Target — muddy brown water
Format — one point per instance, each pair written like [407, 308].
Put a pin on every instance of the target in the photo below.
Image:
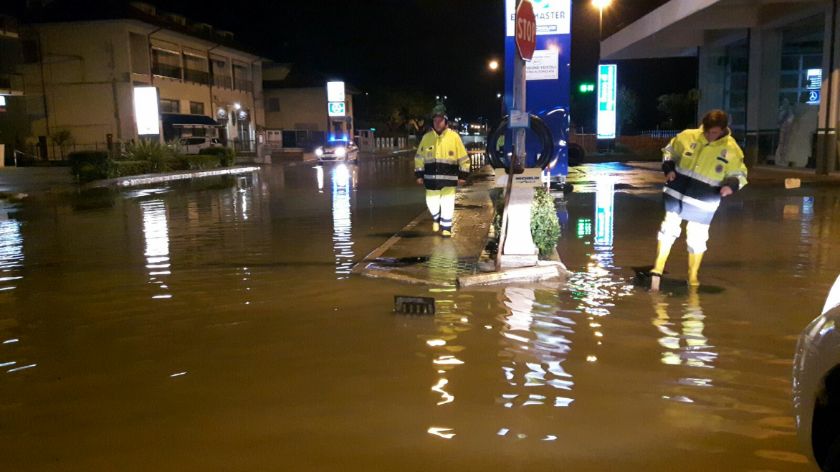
[214, 325]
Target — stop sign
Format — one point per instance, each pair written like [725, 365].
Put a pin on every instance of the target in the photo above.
[526, 30]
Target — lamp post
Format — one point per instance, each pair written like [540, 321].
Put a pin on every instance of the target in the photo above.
[601, 5]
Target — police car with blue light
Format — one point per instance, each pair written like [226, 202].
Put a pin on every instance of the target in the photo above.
[337, 151]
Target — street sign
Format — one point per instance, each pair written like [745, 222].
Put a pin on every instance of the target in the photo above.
[336, 108]
[606, 101]
[526, 30]
[813, 97]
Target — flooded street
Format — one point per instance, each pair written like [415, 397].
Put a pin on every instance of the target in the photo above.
[215, 325]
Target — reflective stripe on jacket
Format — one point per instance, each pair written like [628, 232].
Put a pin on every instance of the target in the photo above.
[441, 160]
[702, 168]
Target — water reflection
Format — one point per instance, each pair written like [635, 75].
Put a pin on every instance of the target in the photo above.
[535, 346]
[604, 204]
[343, 184]
[156, 236]
[11, 252]
[683, 338]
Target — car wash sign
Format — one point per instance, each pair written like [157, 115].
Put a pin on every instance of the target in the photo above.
[607, 95]
[547, 73]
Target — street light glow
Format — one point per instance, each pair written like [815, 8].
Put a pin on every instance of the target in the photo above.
[493, 65]
[601, 4]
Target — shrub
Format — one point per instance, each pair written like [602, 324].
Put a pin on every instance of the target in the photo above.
[156, 154]
[227, 156]
[545, 229]
[89, 165]
[124, 168]
[201, 162]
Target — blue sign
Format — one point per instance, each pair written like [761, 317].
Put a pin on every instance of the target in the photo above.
[547, 74]
[813, 97]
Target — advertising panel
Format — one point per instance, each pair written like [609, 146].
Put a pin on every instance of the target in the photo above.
[547, 76]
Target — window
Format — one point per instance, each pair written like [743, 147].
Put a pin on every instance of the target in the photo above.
[166, 63]
[195, 69]
[197, 108]
[169, 106]
[273, 104]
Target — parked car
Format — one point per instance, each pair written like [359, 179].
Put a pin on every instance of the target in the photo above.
[340, 151]
[194, 144]
[816, 384]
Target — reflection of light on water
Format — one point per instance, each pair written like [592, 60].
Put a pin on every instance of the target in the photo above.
[684, 341]
[535, 347]
[11, 254]
[156, 235]
[319, 176]
[446, 397]
[604, 203]
[445, 433]
[342, 221]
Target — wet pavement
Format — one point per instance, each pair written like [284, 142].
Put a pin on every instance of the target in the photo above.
[215, 325]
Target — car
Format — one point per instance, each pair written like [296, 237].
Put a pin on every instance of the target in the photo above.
[337, 151]
[194, 144]
[816, 384]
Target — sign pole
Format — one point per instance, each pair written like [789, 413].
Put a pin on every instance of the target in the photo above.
[516, 247]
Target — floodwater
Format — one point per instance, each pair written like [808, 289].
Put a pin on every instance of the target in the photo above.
[215, 325]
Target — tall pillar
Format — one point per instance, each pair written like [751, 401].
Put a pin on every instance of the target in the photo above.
[829, 116]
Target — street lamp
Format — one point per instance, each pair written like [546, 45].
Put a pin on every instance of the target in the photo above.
[600, 5]
[493, 65]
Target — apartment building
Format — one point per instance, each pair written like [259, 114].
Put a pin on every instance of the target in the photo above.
[11, 86]
[81, 73]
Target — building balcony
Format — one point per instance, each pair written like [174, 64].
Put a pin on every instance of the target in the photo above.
[243, 84]
[8, 27]
[223, 81]
[11, 84]
[164, 70]
[197, 76]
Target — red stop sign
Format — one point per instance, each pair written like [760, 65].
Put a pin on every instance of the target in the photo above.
[525, 30]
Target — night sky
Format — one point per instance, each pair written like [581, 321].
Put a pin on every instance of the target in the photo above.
[436, 46]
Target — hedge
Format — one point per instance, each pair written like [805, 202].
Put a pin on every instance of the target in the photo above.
[89, 165]
[126, 168]
[227, 156]
[202, 161]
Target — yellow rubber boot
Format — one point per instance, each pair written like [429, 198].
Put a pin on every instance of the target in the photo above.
[694, 261]
[435, 226]
[662, 251]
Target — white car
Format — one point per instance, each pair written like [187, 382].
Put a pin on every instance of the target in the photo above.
[816, 384]
[340, 151]
[194, 144]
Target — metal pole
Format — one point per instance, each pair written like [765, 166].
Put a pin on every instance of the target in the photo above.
[827, 163]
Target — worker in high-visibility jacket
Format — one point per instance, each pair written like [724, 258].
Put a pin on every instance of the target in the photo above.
[441, 164]
[701, 166]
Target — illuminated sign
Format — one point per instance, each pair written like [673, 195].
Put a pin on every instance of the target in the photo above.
[335, 91]
[2, 103]
[814, 84]
[553, 16]
[146, 110]
[606, 100]
[336, 108]
[814, 79]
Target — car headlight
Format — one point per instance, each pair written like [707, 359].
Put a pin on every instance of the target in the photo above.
[319, 151]
[340, 151]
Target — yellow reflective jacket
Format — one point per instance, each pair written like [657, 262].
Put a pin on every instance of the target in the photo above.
[441, 160]
[702, 169]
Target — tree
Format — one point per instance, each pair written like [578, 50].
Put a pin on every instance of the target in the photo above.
[679, 110]
[62, 138]
[628, 107]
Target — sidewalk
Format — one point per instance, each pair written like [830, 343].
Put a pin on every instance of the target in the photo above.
[417, 255]
[28, 180]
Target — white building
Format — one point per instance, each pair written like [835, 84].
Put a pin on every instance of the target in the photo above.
[297, 108]
[80, 77]
[773, 65]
